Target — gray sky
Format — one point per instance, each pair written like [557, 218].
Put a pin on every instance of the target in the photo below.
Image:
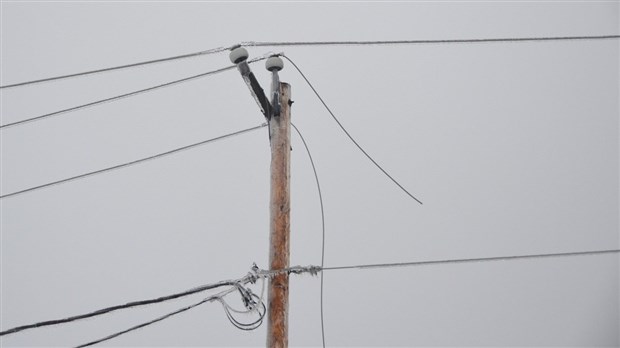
[512, 147]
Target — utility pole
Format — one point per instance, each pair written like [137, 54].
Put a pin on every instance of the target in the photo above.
[280, 208]
[278, 115]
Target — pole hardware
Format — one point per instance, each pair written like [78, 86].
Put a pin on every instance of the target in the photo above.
[239, 56]
[275, 64]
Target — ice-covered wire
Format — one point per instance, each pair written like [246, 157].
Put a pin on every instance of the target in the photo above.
[247, 326]
[250, 306]
[418, 42]
[127, 164]
[316, 43]
[316, 269]
[106, 310]
[318, 186]
[218, 296]
[347, 133]
[119, 67]
[127, 95]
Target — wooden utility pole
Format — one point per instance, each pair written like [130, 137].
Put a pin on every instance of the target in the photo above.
[278, 114]
[280, 207]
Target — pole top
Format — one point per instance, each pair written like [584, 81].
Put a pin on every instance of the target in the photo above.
[274, 63]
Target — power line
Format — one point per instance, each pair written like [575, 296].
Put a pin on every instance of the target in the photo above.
[347, 133]
[318, 186]
[127, 164]
[316, 269]
[481, 259]
[313, 43]
[418, 42]
[125, 95]
[251, 306]
[99, 312]
[133, 65]
[139, 326]
[121, 96]
[246, 295]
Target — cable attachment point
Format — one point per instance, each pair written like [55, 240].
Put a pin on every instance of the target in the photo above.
[253, 274]
[313, 270]
[247, 297]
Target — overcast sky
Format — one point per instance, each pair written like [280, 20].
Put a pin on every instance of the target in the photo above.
[513, 147]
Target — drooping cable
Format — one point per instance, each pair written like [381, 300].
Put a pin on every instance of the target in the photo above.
[316, 269]
[133, 65]
[128, 305]
[127, 164]
[419, 42]
[347, 133]
[251, 306]
[318, 186]
[126, 95]
[255, 307]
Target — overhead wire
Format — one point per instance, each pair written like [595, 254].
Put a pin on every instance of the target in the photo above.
[131, 163]
[318, 186]
[316, 269]
[127, 95]
[150, 322]
[313, 43]
[106, 310]
[119, 67]
[347, 133]
[245, 294]
[246, 326]
[253, 305]
[418, 42]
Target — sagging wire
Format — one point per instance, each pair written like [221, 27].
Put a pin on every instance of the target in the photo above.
[318, 186]
[253, 306]
[349, 134]
[252, 303]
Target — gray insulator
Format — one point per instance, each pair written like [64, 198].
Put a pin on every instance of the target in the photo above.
[238, 55]
[274, 63]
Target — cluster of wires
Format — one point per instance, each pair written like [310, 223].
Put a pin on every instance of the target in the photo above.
[254, 305]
